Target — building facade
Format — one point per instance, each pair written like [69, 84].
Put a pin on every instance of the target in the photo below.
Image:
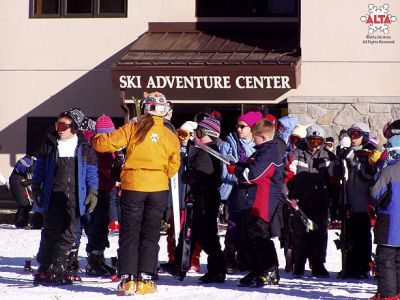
[333, 63]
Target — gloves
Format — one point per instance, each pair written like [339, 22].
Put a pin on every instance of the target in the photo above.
[374, 157]
[91, 200]
[37, 196]
[231, 169]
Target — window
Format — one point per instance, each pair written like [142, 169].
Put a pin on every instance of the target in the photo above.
[247, 8]
[78, 8]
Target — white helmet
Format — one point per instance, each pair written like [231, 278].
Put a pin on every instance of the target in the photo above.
[155, 104]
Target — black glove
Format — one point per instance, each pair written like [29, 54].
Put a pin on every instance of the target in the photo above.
[91, 200]
[37, 195]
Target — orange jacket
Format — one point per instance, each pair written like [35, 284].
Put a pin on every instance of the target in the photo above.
[150, 164]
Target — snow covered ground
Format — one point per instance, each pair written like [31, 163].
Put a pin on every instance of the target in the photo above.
[19, 245]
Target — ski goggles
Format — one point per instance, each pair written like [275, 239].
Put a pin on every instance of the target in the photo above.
[62, 126]
[294, 139]
[184, 134]
[355, 133]
[315, 140]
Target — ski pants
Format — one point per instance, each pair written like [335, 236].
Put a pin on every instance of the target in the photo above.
[359, 241]
[99, 219]
[205, 230]
[259, 248]
[115, 209]
[18, 191]
[388, 270]
[59, 229]
[141, 214]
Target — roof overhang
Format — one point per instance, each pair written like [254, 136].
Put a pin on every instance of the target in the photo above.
[191, 64]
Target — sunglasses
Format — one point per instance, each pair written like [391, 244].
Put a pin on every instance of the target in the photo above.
[184, 134]
[316, 141]
[354, 133]
[241, 126]
[62, 126]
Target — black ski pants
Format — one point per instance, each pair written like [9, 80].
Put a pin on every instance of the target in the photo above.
[259, 248]
[205, 230]
[18, 191]
[141, 214]
[59, 229]
[388, 270]
[99, 219]
[359, 241]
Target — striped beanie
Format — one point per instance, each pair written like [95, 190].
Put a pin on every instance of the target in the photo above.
[104, 124]
[210, 126]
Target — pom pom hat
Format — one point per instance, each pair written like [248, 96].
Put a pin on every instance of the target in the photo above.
[251, 118]
[104, 124]
[210, 127]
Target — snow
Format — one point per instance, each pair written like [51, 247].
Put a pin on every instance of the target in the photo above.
[18, 245]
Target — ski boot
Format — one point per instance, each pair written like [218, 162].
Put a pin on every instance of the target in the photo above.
[211, 277]
[41, 275]
[127, 286]
[58, 273]
[248, 279]
[271, 278]
[97, 265]
[298, 271]
[319, 271]
[173, 270]
[145, 284]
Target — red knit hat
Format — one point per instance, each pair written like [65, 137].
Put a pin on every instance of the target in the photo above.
[104, 124]
[272, 119]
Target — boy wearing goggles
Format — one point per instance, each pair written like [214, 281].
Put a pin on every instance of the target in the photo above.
[312, 166]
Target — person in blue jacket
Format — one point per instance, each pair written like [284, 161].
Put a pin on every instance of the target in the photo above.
[260, 183]
[240, 145]
[386, 198]
[65, 179]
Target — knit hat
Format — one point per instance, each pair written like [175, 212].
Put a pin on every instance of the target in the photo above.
[104, 124]
[273, 120]
[315, 131]
[300, 130]
[330, 140]
[362, 126]
[201, 116]
[251, 118]
[210, 126]
[88, 124]
[76, 115]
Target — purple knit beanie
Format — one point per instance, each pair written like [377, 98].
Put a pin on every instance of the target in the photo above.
[251, 117]
[210, 126]
[104, 124]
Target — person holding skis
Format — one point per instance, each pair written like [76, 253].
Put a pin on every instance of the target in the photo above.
[240, 145]
[358, 228]
[152, 157]
[64, 180]
[313, 167]
[385, 197]
[260, 181]
[203, 175]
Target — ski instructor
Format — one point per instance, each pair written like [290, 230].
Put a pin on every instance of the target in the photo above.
[152, 157]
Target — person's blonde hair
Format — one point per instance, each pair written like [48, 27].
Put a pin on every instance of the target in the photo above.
[143, 126]
[263, 126]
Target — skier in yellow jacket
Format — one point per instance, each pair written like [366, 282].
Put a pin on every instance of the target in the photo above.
[152, 157]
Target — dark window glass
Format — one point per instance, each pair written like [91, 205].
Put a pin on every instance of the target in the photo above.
[112, 6]
[247, 8]
[43, 7]
[79, 6]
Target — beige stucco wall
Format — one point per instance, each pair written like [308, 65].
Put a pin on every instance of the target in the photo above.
[48, 65]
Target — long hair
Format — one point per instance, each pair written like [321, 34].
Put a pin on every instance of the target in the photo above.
[142, 128]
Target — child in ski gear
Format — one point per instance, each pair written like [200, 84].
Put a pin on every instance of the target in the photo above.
[203, 175]
[152, 157]
[358, 227]
[20, 185]
[312, 166]
[99, 217]
[240, 145]
[259, 191]
[64, 180]
[386, 198]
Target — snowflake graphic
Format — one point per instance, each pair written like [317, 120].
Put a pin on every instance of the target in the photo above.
[154, 137]
[378, 18]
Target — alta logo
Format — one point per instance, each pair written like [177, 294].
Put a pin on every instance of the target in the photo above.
[378, 18]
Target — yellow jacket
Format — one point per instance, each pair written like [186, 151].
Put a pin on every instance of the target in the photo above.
[149, 165]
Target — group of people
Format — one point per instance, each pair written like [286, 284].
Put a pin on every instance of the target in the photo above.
[269, 159]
